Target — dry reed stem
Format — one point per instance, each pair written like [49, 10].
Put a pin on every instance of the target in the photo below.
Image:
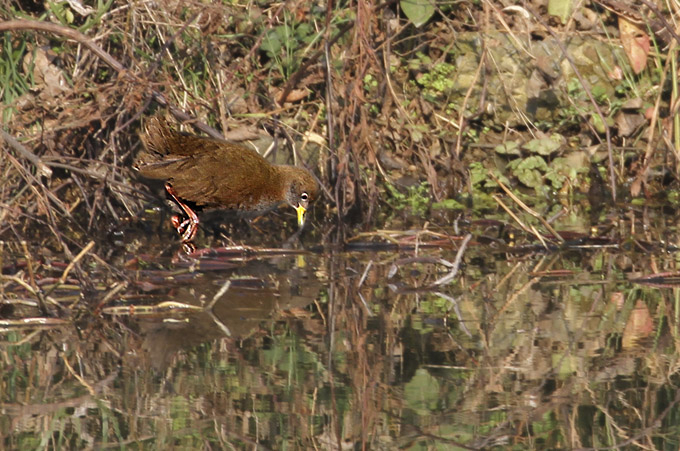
[526, 208]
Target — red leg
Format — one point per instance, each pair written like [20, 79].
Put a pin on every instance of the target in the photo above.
[178, 224]
[187, 228]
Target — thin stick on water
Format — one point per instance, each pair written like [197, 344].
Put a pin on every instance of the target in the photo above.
[456, 263]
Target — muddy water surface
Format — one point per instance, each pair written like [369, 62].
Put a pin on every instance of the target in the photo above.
[473, 335]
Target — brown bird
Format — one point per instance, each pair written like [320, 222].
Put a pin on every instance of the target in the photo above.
[208, 173]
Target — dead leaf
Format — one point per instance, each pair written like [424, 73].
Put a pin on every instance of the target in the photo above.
[628, 123]
[81, 9]
[314, 138]
[639, 325]
[243, 134]
[618, 299]
[616, 73]
[632, 104]
[635, 43]
[649, 113]
[636, 186]
[49, 79]
[295, 95]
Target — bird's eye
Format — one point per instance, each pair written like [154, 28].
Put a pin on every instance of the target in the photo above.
[304, 196]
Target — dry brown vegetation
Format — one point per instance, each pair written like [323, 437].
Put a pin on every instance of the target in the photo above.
[350, 90]
[516, 344]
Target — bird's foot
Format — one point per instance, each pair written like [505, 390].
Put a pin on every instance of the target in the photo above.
[186, 228]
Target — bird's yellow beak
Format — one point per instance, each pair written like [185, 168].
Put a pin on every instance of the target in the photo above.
[301, 215]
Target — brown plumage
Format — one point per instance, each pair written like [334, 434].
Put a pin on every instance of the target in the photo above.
[211, 173]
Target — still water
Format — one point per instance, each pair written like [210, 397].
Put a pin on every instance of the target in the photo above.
[459, 337]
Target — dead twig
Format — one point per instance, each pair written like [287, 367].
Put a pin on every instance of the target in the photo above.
[527, 209]
[456, 263]
[31, 274]
[80, 379]
[31, 323]
[27, 154]
[70, 266]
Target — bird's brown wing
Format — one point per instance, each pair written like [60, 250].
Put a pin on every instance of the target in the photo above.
[209, 172]
[231, 177]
